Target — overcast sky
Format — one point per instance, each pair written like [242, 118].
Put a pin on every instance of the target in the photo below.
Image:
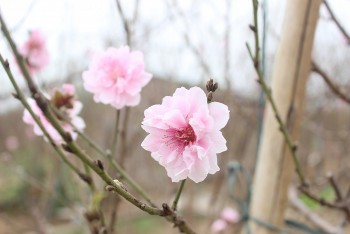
[76, 29]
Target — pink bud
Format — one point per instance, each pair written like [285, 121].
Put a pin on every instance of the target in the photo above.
[218, 226]
[230, 215]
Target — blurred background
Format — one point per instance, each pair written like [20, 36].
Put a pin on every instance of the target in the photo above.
[184, 44]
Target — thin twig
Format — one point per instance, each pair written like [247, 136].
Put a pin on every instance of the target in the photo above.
[123, 137]
[313, 217]
[114, 213]
[338, 194]
[335, 89]
[193, 48]
[115, 134]
[319, 200]
[24, 17]
[126, 24]
[335, 187]
[178, 194]
[336, 21]
[128, 34]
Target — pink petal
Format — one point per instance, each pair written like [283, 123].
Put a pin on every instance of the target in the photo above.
[219, 142]
[175, 119]
[220, 113]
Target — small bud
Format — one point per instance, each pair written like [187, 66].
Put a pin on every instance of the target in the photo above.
[67, 148]
[7, 64]
[68, 137]
[215, 87]
[166, 209]
[109, 188]
[15, 95]
[92, 215]
[100, 164]
[85, 178]
[120, 184]
[142, 206]
[209, 84]
[252, 27]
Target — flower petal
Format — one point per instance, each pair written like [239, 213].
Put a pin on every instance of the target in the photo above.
[220, 113]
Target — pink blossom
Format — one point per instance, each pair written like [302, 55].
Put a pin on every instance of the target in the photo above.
[116, 77]
[218, 226]
[230, 215]
[184, 134]
[11, 143]
[35, 51]
[64, 100]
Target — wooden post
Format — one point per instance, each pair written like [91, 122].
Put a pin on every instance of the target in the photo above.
[291, 69]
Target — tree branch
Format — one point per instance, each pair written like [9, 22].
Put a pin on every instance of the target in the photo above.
[334, 88]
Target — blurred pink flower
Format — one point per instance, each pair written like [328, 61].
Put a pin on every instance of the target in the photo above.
[64, 100]
[11, 143]
[230, 215]
[35, 52]
[218, 226]
[116, 77]
[184, 134]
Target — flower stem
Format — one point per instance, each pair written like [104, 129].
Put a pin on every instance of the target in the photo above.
[115, 136]
[178, 194]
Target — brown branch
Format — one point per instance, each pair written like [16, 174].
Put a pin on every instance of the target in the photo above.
[334, 88]
[313, 217]
[336, 21]
[338, 194]
[176, 10]
[335, 187]
[126, 23]
[319, 200]
[116, 202]
[71, 146]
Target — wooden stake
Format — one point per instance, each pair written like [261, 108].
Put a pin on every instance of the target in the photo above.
[291, 69]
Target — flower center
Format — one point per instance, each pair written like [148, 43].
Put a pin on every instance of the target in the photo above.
[178, 139]
[185, 135]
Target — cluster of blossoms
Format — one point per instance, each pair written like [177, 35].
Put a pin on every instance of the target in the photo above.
[116, 77]
[185, 134]
[227, 216]
[35, 52]
[184, 131]
[65, 102]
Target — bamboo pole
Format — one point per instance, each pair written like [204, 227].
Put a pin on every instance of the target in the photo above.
[291, 69]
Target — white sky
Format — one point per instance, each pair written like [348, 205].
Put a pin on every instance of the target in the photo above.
[75, 29]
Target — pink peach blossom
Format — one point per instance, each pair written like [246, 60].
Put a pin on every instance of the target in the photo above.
[184, 134]
[218, 226]
[35, 52]
[230, 215]
[64, 100]
[116, 77]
